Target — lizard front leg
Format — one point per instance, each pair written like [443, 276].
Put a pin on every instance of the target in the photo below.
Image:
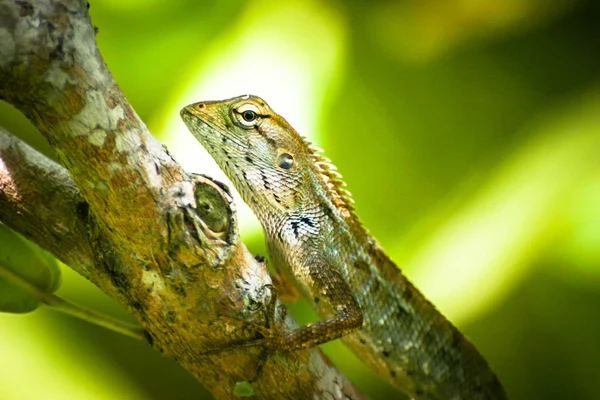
[332, 289]
[347, 317]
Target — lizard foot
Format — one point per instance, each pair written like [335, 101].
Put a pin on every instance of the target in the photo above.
[271, 337]
[270, 340]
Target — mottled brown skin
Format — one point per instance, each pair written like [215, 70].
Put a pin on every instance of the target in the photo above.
[316, 239]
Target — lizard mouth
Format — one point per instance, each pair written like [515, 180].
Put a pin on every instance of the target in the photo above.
[194, 118]
[208, 131]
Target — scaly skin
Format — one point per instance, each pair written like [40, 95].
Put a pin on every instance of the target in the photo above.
[316, 239]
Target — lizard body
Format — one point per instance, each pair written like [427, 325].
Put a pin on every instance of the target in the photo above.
[314, 236]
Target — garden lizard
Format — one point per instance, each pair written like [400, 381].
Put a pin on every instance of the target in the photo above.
[314, 236]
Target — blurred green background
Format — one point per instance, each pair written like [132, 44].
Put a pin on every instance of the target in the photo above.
[468, 132]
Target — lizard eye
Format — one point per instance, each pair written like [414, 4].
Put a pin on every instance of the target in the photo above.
[249, 115]
[246, 115]
[285, 161]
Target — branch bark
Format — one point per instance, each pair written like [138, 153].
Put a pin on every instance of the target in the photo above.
[125, 215]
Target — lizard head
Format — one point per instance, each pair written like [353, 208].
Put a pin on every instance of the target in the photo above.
[273, 168]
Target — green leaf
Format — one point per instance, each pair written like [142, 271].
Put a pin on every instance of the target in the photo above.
[243, 389]
[22, 260]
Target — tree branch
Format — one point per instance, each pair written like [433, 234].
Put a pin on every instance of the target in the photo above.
[39, 199]
[162, 242]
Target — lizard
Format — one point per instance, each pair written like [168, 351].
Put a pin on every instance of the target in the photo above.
[314, 236]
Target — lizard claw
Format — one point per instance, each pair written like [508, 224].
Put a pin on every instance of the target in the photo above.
[272, 339]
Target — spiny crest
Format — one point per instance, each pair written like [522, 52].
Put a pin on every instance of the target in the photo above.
[333, 179]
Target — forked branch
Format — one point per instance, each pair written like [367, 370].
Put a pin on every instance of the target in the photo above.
[125, 215]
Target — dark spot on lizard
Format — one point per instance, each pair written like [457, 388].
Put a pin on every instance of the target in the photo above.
[249, 159]
[362, 341]
[386, 353]
[362, 265]
[447, 354]
[307, 221]
[430, 340]
[259, 258]
[265, 181]
[328, 211]
[317, 300]
[295, 227]
[277, 199]
[400, 313]
[375, 287]
[271, 142]
[224, 139]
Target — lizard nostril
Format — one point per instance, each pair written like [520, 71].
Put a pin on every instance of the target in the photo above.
[200, 105]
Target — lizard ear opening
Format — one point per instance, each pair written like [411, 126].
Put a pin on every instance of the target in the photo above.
[285, 161]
